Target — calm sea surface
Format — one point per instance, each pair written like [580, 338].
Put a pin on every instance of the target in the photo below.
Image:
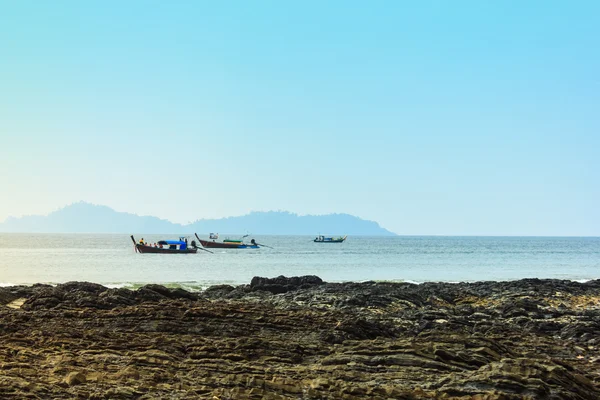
[111, 260]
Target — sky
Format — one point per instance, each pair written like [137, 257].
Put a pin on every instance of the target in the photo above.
[429, 117]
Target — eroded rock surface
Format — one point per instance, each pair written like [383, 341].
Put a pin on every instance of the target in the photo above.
[303, 338]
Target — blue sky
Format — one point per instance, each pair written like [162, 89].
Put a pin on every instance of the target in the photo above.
[430, 117]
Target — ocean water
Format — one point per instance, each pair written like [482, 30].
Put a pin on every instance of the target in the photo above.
[111, 260]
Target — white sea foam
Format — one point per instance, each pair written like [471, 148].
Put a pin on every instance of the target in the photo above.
[121, 285]
[192, 286]
[413, 282]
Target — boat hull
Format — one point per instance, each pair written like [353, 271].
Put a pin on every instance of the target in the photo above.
[165, 250]
[338, 240]
[222, 245]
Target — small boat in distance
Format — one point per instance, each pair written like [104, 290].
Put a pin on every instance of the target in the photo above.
[323, 239]
[227, 244]
[165, 246]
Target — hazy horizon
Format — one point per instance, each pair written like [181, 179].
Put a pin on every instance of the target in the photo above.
[430, 118]
[167, 219]
[84, 217]
[186, 225]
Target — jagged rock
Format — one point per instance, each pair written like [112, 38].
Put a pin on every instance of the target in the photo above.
[74, 378]
[527, 379]
[74, 287]
[218, 291]
[116, 297]
[176, 293]
[282, 284]
[299, 337]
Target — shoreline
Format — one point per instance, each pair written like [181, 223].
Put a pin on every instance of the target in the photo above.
[300, 337]
[200, 286]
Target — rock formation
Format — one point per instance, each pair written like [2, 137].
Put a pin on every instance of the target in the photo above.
[290, 338]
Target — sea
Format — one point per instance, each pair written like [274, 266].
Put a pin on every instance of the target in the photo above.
[110, 259]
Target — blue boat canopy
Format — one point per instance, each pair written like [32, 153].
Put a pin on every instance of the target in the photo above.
[179, 242]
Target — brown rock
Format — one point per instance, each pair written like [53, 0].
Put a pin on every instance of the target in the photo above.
[129, 372]
[304, 339]
[74, 378]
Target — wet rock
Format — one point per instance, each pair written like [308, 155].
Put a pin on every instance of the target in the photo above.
[146, 293]
[218, 291]
[282, 284]
[176, 293]
[75, 287]
[116, 298]
[7, 295]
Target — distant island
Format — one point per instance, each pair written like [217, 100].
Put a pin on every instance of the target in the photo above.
[84, 217]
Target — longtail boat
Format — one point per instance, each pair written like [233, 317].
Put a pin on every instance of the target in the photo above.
[323, 239]
[165, 246]
[228, 244]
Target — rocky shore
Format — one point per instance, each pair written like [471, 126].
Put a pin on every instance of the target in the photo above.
[303, 338]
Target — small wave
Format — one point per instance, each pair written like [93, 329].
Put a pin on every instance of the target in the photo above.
[188, 286]
[122, 285]
[411, 281]
[396, 281]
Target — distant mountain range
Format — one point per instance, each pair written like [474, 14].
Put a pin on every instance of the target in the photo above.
[90, 218]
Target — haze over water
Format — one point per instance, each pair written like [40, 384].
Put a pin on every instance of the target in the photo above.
[110, 260]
